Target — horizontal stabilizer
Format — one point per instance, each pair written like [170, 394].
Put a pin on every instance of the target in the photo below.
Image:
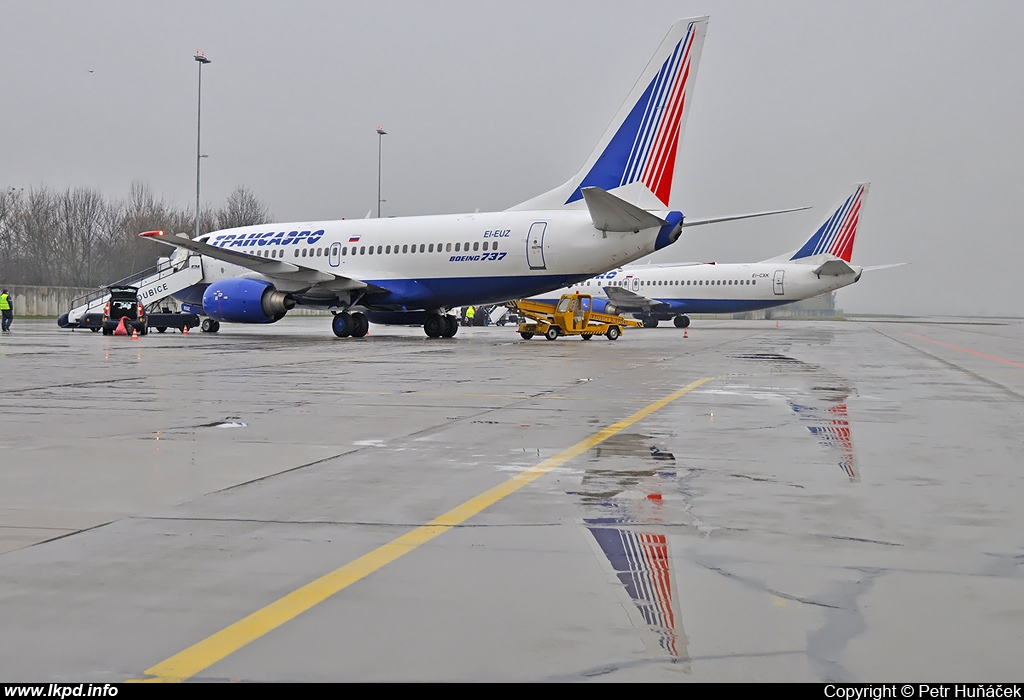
[609, 213]
[871, 268]
[736, 217]
[836, 266]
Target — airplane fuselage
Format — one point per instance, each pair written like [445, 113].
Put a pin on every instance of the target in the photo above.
[433, 262]
[713, 288]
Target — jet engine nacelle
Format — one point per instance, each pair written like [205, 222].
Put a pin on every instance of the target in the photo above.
[240, 300]
[603, 306]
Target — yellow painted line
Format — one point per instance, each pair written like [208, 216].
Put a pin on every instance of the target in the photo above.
[220, 645]
[557, 397]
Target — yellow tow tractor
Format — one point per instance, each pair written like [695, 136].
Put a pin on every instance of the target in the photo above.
[573, 315]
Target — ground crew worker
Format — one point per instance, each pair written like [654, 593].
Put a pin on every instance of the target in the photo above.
[6, 309]
[470, 313]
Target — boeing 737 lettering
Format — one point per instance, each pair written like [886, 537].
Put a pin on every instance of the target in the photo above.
[413, 270]
[656, 293]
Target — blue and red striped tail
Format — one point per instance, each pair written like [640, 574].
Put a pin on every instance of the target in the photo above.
[837, 234]
[638, 150]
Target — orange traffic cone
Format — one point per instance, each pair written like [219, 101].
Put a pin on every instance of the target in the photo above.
[135, 333]
[120, 330]
[776, 324]
[685, 334]
[184, 329]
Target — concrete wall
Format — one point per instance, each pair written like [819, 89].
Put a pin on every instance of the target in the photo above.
[43, 301]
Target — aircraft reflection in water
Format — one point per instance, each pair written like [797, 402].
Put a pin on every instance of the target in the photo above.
[631, 497]
[823, 410]
[832, 428]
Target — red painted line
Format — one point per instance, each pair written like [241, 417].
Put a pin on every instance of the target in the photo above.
[970, 352]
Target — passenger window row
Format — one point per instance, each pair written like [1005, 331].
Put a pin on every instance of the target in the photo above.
[671, 283]
[384, 249]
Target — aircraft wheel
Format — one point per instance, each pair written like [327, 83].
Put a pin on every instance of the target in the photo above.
[613, 333]
[650, 322]
[552, 333]
[360, 325]
[587, 336]
[216, 327]
[342, 324]
[207, 325]
[451, 326]
[681, 321]
[433, 325]
[526, 335]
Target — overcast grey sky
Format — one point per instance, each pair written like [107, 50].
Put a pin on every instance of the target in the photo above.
[487, 104]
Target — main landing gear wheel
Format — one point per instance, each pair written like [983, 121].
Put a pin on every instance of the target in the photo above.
[451, 326]
[681, 321]
[650, 322]
[552, 333]
[360, 325]
[342, 324]
[207, 325]
[613, 333]
[433, 326]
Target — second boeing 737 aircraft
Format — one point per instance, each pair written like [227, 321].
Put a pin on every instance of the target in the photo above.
[415, 269]
[656, 293]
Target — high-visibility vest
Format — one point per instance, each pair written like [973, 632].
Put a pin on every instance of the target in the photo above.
[5, 302]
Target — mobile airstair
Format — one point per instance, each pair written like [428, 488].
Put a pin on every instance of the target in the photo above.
[168, 277]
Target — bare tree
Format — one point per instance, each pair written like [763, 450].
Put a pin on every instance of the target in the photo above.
[11, 208]
[80, 217]
[76, 238]
[243, 208]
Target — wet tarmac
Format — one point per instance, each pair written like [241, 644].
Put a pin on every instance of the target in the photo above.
[819, 501]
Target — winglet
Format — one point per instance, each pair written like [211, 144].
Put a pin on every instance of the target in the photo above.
[609, 213]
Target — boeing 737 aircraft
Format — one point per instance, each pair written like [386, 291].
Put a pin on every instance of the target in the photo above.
[656, 293]
[414, 270]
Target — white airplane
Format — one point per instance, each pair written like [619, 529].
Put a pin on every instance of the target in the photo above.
[656, 293]
[414, 270]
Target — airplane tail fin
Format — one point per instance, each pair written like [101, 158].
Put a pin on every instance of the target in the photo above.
[636, 157]
[836, 235]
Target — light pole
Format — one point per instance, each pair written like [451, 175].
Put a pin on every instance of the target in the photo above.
[201, 59]
[380, 139]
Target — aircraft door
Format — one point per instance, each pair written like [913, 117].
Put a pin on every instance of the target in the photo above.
[779, 274]
[634, 283]
[535, 246]
[334, 258]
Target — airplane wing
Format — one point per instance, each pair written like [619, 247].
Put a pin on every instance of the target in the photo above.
[735, 217]
[265, 266]
[626, 300]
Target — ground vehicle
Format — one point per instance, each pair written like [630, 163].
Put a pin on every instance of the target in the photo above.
[573, 315]
[124, 303]
[163, 318]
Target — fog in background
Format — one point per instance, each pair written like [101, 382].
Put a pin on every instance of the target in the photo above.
[487, 104]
